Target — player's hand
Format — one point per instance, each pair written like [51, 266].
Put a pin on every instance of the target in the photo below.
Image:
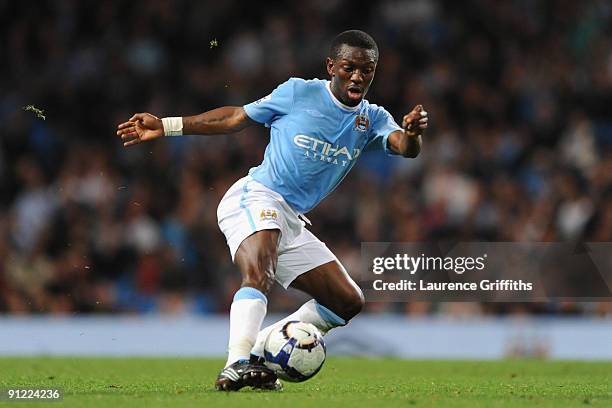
[415, 122]
[141, 127]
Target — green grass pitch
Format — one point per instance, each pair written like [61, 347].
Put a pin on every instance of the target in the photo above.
[343, 382]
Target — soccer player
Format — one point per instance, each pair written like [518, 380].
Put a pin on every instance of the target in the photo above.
[318, 129]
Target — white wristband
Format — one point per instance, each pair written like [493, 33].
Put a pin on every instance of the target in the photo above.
[173, 126]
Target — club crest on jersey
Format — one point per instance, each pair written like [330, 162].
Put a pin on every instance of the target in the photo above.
[362, 122]
[268, 215]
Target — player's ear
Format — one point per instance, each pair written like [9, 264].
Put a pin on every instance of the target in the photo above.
[329, 63]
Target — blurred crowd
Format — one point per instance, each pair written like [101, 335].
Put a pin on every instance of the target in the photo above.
[519, 147]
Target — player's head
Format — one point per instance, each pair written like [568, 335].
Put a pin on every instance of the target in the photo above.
[351, 63]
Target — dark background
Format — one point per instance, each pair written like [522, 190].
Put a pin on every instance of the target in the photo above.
[519, 148]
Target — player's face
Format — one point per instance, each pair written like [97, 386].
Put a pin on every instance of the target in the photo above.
[351, 73]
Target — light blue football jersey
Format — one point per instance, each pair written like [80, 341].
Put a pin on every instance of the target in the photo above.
[314, 139]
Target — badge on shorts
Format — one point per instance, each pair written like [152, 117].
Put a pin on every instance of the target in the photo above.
[268, 215]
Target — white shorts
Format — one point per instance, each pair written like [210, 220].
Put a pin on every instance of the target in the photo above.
[249, 206]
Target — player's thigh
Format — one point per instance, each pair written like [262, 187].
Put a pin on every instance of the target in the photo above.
[314, 269]
[300, 255]
[244, 210]
[253, 220]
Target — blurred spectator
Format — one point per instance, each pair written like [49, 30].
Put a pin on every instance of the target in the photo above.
[520, 148]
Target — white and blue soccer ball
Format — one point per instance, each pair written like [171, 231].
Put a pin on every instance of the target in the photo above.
[295, 351]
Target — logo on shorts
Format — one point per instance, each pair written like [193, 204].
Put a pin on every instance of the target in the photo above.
[268, 215]
[362, 122]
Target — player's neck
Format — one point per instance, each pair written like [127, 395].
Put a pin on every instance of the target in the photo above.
[338, 102]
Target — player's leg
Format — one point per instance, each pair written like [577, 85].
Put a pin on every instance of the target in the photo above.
[310, 266]
[256, 259]
[338, 298]
[250, 217]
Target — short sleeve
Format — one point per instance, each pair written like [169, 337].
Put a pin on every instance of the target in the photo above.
[383, 125]
[269, 108]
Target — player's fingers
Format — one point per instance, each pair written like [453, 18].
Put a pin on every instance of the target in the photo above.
[125, 125]
[409, 122]
[408, 118]
[131, 142]
[126, 130]
[138, 117]
[128, 136]
[424, 121]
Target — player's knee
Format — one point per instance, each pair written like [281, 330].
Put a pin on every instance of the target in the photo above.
[352, 305]
[259, 277]
[260, 280]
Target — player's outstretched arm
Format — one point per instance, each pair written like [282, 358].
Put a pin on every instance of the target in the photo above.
[407, 142]
[145, 126]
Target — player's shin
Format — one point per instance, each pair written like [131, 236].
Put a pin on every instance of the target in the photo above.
[310, 312]
[246, 315]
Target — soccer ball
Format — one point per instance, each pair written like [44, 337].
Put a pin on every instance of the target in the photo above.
[295, 352]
